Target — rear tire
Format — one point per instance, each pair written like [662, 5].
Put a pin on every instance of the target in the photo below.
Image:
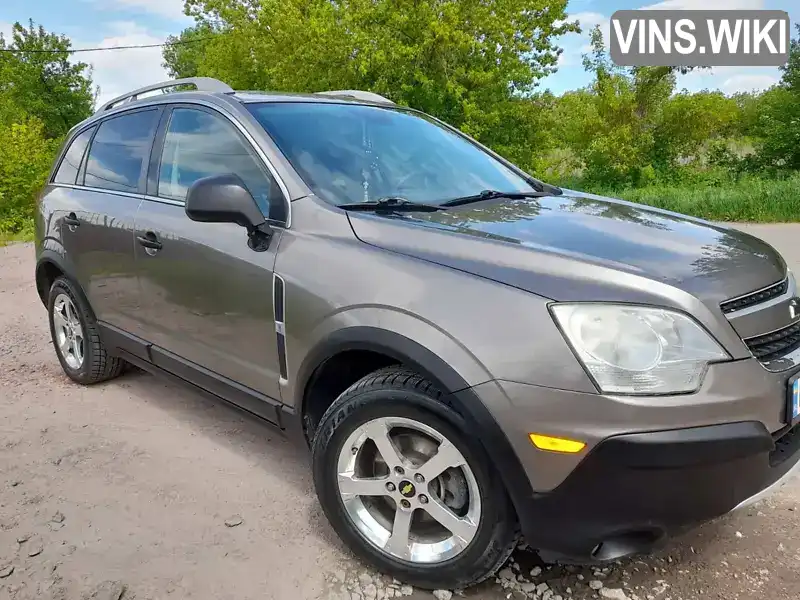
[76, 337]
[466, 501]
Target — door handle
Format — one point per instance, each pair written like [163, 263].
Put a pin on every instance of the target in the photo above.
[72, 221]
[149, 241]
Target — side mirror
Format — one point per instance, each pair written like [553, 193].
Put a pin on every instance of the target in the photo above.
[225, 199]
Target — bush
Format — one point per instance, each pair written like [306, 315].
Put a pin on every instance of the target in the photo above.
[24, 165]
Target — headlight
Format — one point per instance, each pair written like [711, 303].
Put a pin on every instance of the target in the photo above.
[638, 350]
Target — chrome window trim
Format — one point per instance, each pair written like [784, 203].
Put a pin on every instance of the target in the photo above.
[181, 204]
[89, 188]
[161, 200]
[137, 197]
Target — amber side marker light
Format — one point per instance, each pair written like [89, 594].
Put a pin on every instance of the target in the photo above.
[554, 444]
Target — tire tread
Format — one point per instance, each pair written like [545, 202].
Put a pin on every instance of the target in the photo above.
[399, 378]
[102, 365]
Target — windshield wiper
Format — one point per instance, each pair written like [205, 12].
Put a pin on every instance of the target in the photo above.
[491, 194]
[391, 204]
[541, 186]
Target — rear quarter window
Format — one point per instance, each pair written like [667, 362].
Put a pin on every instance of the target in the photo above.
[71, 163]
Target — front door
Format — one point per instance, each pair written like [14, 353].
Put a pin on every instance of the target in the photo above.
[206, 296]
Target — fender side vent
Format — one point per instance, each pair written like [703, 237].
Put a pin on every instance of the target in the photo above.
[279, 303]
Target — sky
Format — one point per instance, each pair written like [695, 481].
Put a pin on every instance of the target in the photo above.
[107, 23]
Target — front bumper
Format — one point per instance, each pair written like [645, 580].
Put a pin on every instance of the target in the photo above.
[634, 491]
[653, 466]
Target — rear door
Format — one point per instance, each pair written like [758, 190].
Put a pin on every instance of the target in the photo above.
[64, 195]
[207, 300]
[99, 210]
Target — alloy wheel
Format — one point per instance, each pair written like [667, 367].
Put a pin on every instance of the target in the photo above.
[408, 490]
[68, 332]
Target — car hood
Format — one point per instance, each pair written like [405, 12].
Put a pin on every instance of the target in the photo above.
[550, 244]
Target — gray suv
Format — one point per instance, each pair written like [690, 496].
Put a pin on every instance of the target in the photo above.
[470, 354]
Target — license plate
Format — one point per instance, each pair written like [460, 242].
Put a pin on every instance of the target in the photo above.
[794, 401]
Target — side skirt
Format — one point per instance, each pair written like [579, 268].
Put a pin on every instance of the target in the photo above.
[160, 362]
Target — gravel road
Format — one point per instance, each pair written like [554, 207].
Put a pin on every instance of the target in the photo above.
[141, 489]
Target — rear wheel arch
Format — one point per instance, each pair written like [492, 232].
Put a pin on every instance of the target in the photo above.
[50, 266]
[386, 348]
[47, 271]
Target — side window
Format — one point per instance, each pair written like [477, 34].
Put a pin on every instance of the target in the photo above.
[68, 169]
[198, 144]
[118, 151]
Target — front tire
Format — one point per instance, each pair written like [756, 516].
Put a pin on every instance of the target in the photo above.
[76, 337]
[406, 489]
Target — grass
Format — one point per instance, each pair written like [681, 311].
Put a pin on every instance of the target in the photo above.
[753, 200]
[9, 238]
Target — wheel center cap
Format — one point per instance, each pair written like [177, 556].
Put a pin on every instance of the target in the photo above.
[407, 489]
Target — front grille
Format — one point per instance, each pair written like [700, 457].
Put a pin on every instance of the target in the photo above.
[785, 447]
[754, 298]
[776, 344]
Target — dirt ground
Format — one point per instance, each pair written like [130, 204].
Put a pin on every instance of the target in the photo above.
[141, 489]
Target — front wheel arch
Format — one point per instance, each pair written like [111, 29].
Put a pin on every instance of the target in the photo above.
[457, 393]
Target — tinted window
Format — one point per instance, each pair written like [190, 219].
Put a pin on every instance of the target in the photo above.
[354, 153]
[68, 170]
[199, 144]
[120, 148]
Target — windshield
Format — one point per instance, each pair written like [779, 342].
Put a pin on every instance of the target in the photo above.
[350, 153]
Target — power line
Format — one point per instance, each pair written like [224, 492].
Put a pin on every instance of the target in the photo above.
[109, 48]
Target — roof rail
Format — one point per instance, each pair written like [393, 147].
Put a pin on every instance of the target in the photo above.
[358, 95]
[202, 84]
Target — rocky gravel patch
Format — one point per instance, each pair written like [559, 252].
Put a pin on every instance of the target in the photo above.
[709, 563]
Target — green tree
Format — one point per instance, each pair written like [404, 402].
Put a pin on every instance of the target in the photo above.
[621, 111]
[779, 129]
[38, 79]
[183, 54]
[24, 164]
[778, 122]
[454, 59]
[690, 121]
[630, 128]
[791, 70]
[773, 117]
